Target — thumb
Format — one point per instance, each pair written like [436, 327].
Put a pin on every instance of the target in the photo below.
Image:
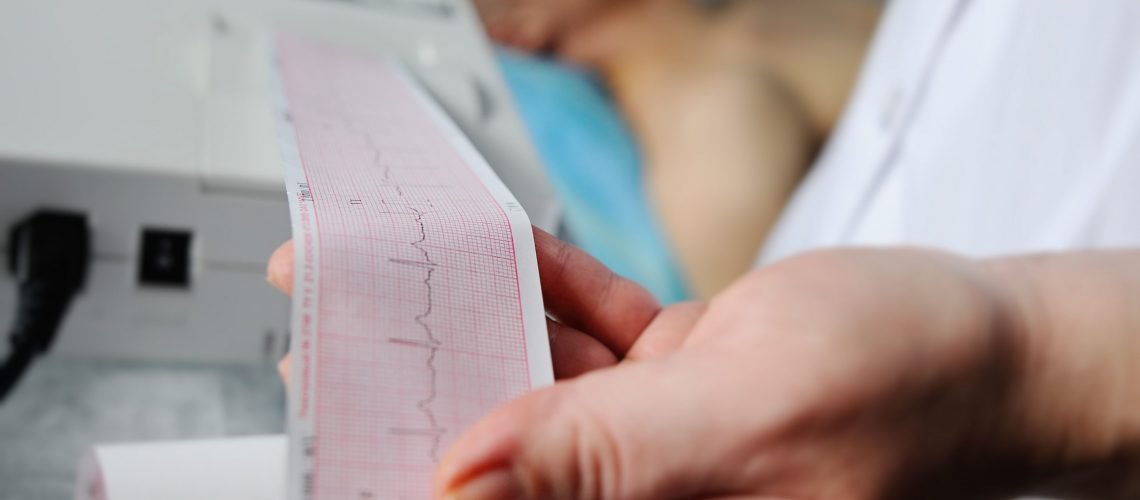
[648, 429]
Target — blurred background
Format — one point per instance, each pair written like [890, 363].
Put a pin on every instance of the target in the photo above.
[141, 191]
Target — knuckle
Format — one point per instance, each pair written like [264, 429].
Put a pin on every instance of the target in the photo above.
[590, 465]
[603, 298]
[563, 254]
[599, 457]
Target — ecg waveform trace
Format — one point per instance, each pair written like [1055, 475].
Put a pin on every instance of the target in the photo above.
[408, 270]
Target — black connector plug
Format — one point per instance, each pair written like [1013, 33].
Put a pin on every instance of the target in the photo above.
[49, 254]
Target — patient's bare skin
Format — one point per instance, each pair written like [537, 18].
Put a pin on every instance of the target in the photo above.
[728, 103]
[536, 25]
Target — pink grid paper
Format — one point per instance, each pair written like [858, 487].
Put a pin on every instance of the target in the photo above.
[409, 321]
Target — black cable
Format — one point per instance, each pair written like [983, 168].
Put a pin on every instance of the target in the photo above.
[48, 254]
[13, 369]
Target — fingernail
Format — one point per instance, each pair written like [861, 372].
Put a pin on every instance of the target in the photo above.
[498, 484]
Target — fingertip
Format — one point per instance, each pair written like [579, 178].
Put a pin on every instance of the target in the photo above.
[550, 440]
[279, 271]
[283, 367]
[493, 442]
[492, 485]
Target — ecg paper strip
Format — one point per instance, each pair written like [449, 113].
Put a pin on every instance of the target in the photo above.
[416, 302]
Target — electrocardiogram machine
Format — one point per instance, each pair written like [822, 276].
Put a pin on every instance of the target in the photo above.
[148, 120]
[147, 128]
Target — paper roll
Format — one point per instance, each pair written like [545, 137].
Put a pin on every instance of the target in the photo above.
[248, 468]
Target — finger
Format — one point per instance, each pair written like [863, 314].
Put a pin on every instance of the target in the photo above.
[668, 331]
[575, 353]
[283, 368]
[584, 294]
[279, 272]
[615, 433]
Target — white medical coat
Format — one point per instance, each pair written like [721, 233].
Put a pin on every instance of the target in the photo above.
[985, 127]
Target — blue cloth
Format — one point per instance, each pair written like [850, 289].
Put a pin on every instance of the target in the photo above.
[593, 162]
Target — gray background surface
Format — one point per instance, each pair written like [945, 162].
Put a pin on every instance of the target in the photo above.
[64, 406]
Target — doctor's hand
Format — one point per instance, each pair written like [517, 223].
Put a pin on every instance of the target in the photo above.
[848, 374]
